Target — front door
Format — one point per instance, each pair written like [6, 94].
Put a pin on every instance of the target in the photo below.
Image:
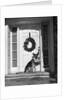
[27, 53]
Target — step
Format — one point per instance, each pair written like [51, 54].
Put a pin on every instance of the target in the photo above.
[27, 75]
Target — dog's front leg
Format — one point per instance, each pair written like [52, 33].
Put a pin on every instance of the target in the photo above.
[33, 67]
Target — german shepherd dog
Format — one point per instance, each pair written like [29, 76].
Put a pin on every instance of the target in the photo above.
[31, 66]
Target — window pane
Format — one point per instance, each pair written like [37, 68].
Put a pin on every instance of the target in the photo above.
[14, 63]
[14, 38]
[14, 29]
[45, 53]
[14, 46]
[14, 54]
[46, 61]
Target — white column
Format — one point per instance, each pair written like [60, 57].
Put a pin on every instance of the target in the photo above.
[6, 49]
[18, 49]
[10, 51]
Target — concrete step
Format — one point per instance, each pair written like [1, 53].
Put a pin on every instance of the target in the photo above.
[27, 75]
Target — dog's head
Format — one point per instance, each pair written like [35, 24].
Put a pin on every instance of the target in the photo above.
[36, 57]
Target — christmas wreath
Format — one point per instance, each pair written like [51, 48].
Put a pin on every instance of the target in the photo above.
[27, 42]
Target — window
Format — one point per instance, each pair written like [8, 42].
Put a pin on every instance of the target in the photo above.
[14, 47]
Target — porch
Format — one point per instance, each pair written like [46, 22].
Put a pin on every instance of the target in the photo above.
[44, 32]
[28, 79]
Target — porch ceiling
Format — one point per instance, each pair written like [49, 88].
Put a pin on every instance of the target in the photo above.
[26, 20]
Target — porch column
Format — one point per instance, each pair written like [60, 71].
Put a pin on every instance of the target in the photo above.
[51, 45]
[6, 50]
[18, 49]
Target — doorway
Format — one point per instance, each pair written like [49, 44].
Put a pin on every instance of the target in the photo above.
[25, 55]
